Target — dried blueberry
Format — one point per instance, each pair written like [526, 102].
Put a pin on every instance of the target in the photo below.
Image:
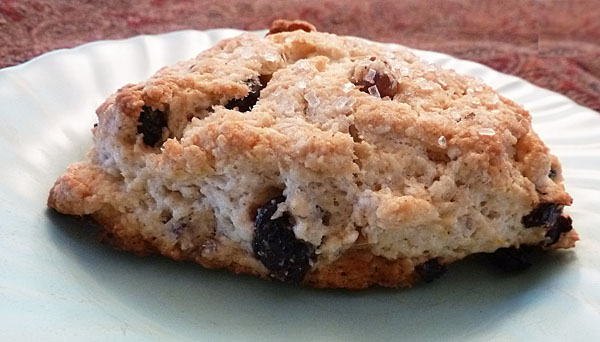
[430, 270]
[544, 215]
[510, 259]
[151, 124]
[562, 225]
[275, 245]
[385, 85]
[247, 103]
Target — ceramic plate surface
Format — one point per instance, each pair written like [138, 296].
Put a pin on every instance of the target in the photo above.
[57, 283]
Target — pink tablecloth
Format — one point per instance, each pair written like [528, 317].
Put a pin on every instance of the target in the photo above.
[552, 43]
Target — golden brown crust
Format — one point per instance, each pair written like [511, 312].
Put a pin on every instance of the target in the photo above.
[119, 236]
[359, 268]
[123, 238]
[77, 191]
[356, 269]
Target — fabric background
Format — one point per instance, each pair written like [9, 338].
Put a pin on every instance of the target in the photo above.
[552, 43]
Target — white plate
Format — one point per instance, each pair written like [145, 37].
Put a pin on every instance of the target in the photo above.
[57, 283]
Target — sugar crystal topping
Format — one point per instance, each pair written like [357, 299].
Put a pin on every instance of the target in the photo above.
[245, 52]
[487, 131]
[271, 56]
[348, 87]
[303, 65]
[287, 107]
[312, 99]
[373, 91]
[442, 141]
[370, 76]
[343, 102]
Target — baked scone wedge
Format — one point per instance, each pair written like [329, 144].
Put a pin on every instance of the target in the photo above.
[312, 158]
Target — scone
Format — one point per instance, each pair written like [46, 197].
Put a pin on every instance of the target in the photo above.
[312, 158]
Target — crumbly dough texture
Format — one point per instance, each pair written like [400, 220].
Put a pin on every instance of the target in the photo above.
[435, 166]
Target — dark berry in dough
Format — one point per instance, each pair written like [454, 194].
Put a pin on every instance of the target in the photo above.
[430, 270]
[151, 124]
[511, 259]
[286, 257]
[562, 225]
[544, 215]
[385, 85]
[247, 103]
